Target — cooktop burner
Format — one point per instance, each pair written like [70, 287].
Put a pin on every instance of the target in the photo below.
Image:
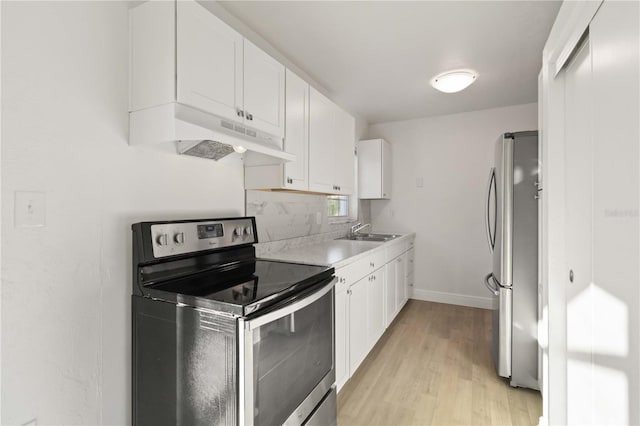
[246, 285]
[211, 264]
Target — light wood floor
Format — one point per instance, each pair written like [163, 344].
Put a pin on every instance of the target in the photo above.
[433, 366]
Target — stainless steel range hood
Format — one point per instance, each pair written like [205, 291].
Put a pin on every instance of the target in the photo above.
[188, 127]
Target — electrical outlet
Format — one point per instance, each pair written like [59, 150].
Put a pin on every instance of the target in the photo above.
[29, 209]
[318, 218]
[419, 182]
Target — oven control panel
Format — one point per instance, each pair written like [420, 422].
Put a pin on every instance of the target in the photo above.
[170, 239]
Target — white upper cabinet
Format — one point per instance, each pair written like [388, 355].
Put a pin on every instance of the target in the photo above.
[183, 53]
[321, 143]
[294, 174]
[209, 62]
[374, 169]
[331, 147]
[296, 139]
[345, 152]
[264, 91]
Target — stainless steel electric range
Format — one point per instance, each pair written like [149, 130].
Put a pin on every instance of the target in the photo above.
[222, 338]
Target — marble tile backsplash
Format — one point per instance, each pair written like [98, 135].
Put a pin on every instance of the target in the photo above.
[286, 220]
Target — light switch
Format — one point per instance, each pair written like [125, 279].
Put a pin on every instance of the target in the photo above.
[29, 209]
[419, 182]
[318, 218]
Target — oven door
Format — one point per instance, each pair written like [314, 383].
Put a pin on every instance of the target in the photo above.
[287, 359]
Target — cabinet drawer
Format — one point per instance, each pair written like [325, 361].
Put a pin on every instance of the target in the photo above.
[357, 270]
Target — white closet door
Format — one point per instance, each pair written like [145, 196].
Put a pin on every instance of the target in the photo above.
[615, 50]
[578, 224]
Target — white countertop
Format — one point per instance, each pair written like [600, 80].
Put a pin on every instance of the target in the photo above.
[336, 253]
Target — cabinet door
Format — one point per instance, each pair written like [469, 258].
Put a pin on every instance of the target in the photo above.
[263, 91]
[296, 138]
[375, 306]
[358, 332]
[342, 335]
[209, 61]
[321, 143]
[369, 170]
[386, 169]
[345, 155]
[401, 283]
[409, 261]
[390, 292]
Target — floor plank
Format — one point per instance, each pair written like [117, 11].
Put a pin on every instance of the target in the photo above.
[433, 366]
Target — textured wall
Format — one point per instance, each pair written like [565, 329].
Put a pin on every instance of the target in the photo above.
[66, 286]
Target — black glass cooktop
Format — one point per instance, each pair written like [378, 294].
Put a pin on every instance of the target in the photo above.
[246, 287]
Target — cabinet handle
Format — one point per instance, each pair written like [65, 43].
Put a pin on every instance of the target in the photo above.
[249, 116]
[240, 113]
[372, 264]
[384, 195]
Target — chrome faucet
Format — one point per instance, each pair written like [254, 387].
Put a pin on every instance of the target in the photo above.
[355, 229]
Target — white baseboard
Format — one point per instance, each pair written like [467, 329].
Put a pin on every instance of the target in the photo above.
[452, 298]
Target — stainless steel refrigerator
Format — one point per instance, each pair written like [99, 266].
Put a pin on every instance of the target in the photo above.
[512, 233]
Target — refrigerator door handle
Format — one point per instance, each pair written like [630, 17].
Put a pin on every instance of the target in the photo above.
[490, 235]
[492, 289]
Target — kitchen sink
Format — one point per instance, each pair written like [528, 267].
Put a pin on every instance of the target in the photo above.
[370, 237]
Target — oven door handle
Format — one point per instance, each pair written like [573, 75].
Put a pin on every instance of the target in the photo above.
[291, 308]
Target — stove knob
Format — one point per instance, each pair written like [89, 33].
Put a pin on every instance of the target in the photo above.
[179, 238]
[162, 240]
[248, 230]
[238, 231]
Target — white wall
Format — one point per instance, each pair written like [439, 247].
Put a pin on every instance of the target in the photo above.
[452, 155]
[66, 286]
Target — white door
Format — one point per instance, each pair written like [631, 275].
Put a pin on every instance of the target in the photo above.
[264, 91]
[390, 291]
[321, 143]
[614, 35]
[296, 138]
[342, 335]
[345, 151]
[375, 306]
[209, 62]
[578, 225]
[358, 330]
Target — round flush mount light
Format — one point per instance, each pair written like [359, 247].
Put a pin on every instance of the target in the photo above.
[239, 149]
[454, 81]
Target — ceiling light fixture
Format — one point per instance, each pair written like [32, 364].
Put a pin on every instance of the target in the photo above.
[239, 149]
[454, 81]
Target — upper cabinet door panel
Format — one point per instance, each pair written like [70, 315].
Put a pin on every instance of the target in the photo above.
[345, 157]
[209, 62]
[321, 143]
[296, 140]
[263, 91]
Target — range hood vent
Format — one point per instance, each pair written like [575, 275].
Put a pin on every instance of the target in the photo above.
[205, 135]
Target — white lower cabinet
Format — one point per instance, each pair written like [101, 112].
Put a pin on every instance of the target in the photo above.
[341, 334]
[369, 294]
[375, 307]
[358, 336]
[396, 290]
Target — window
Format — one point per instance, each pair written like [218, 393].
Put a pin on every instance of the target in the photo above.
[338, 206]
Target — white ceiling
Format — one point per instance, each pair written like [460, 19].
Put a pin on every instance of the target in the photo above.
[376, 58]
